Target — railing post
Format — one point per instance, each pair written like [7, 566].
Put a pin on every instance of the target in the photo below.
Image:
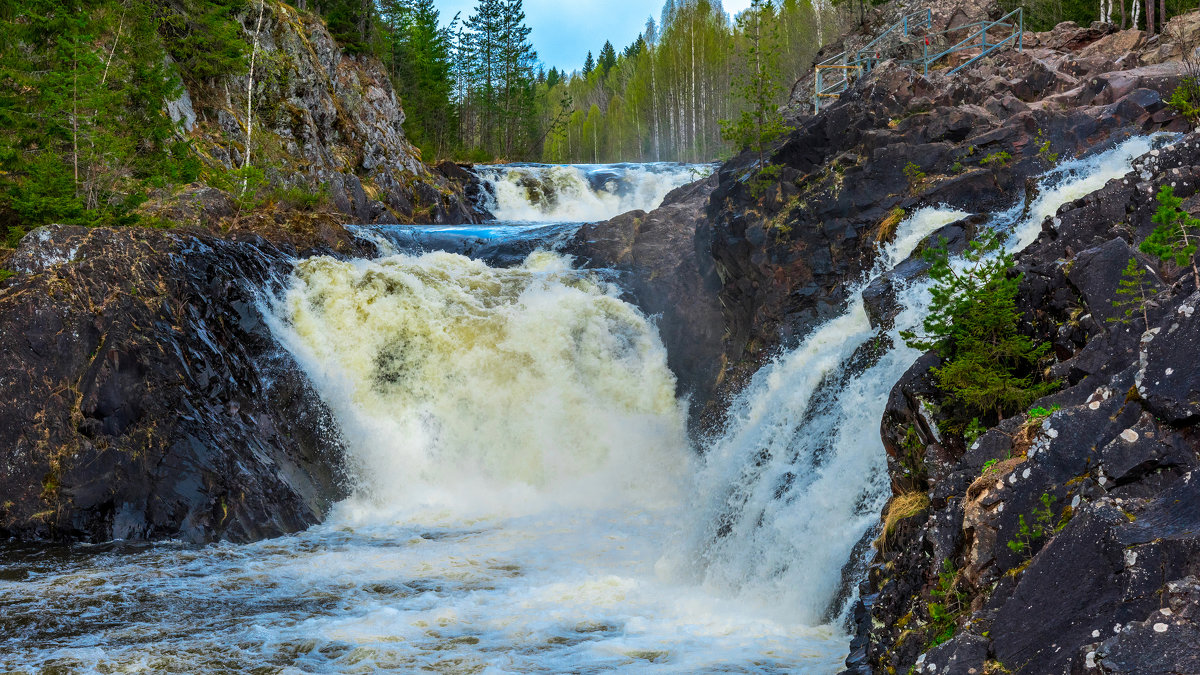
[925, 58]
[983, 35]
[905, 25]
[1021, 30]
[817, 93]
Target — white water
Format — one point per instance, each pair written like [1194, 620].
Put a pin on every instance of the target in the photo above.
[570, 193]
[526, 500]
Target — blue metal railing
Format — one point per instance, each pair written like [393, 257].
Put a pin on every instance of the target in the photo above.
[848, 66]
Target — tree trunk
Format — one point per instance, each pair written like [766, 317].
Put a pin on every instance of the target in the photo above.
[250, 92]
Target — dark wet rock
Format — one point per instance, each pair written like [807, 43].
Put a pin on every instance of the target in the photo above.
[144, 396]
[1096, 275]
[1163, 644]
[1169, 380]
[664, 262]
[508, 250]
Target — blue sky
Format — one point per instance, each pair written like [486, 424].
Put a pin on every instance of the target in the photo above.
[564, 30]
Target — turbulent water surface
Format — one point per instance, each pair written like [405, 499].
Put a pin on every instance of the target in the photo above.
[526, 499]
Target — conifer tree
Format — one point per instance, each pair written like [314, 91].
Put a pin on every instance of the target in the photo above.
[1135, 292]
[589, 64]
[760, 123]
[973, 323]
[608, 58]
[1176, 237]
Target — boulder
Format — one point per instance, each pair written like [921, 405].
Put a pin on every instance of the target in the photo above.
[144, 396]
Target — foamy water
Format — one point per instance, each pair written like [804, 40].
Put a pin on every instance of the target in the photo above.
[569, 193]
[525, 497]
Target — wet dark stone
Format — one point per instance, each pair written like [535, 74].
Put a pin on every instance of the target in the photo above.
[145, 397]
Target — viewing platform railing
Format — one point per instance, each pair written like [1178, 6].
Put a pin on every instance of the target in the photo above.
[844, 68]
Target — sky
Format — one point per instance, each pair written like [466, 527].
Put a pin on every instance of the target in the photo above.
[564, 30]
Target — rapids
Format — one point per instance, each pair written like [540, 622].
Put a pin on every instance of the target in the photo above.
[525, 497]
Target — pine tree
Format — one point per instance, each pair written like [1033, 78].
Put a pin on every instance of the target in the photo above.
[1135, 293]
[761, 122]
[589, 64]
[1175, 238]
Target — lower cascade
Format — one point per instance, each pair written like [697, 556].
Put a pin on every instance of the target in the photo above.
[525, 496]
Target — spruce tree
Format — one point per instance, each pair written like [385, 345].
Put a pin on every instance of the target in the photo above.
[1135, 292]
[1176, 237]
[973, 323]
[589, 64]
[608, 58]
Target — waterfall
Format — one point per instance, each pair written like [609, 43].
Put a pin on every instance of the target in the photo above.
[580, 192]
[525, 497]
[799, 476]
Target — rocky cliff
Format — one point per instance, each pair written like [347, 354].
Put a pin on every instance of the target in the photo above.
[320, 119]
[144, 397]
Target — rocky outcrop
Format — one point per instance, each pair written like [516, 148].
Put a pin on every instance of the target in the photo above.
[664, 264]
[1110, 472]
[322, 119]
[787, 251]
[143, 396]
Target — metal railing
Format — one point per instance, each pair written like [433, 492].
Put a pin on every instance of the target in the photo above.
[1013, 23]
[847, 66]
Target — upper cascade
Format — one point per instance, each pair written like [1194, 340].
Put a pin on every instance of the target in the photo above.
[577, 193]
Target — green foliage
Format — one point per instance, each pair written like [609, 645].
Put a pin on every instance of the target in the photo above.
[1185, 99]
[974, 430]
[763, 179]
[1000, 159]
[496, 81]
[608, 58]
[951, 604]
[82, 129]
[1134, 293]
[301, 198]
[6, 274]
[761, 122]
[957, 167]
[1044, 152]
[1029, 534]
[915, 177]
[988, 466]
[973, 322]
[1175, 238]
[1036, 415]
[418, 53]
[204, 38]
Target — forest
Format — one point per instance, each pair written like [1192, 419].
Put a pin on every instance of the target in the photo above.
[85, 138]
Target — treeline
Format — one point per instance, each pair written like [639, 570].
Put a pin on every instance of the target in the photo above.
[84, 135]
[663, 97]
[1148, 15]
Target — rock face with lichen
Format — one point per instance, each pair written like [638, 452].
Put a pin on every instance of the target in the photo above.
[1109, 468]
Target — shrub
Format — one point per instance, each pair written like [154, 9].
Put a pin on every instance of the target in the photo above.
[973, 323]
[951, 603]
[1000, 159]
[1028, 535]
[1044, 152]
[915, 177]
